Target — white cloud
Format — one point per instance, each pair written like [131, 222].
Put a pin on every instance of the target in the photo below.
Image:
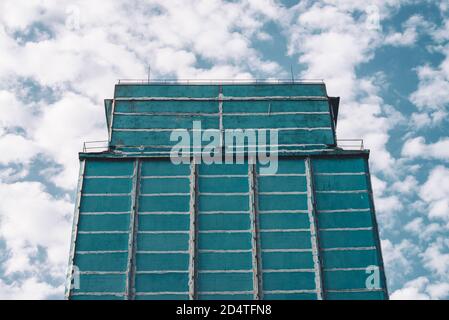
[386, 209]
[406, 186]
[64, 126]
[16, 148]
[436, 258]
[435, 192]
[427, 119]
[439, 290]
[421, 288]
[31, 218]
[30, 289]
[414, 25]
[397, 256]
[413, 290]
[433, 89]
[423, 230]
[418, 148]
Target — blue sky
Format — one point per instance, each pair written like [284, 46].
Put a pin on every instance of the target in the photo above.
[388, 60]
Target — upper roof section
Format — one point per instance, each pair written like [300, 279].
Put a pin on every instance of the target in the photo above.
[142, 116]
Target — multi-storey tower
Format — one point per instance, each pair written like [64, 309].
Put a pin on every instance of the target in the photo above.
[148, 227]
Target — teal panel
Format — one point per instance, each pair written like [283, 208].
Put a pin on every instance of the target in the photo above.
[152, 186]
[166, 203]
[223, 184]
[346, 182]
[162, 242]
[287, 260]
[367, 295]
[224, 221]
[285, 240]
[163, 222]
[162, 261]
[283, 202]
[142, 138]
[96, 297]
[171, 282]
[284, 221]
[338, 165]
[276, 121]
[104, 222]
[225, 281]
[285, 165]
[287, 139]
[102, 242]
[260, 90]
[101, 283]
[109, 168]
[100, 185]
[167, 106]
[224, 241]
[223, 169]
[225, 297]
[281, 184]
[290, 296]
[353, 238]
[288, 281]
[163, 297]
[349, 259]
[164, 168]
[356, 219]
[338, 201]
[226, 203]
[164, 90]
[225, 261]
[102, 262]
[353, 279]
[275, 106]
[105, 204]
[162, 122]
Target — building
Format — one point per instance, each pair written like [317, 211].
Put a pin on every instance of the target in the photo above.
[147, 228]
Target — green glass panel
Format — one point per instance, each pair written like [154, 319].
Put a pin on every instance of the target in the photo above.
[162, 261]
[166, 282]
[102, 262]
[287, 260]
[285, 240]
[288, 281]
[225, 281]
[224, 241]
[109, 168]
[224, 221]
[102, 242]
[163, 222]
[101, 185]
[104, 222]
[162, 242]
[225, 261]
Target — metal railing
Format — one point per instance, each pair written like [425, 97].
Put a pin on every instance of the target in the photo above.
[350, 144]
[220, 81]
[95, 146]
[103, 145]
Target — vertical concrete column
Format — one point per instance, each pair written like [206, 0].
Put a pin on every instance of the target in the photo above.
[193, 231]
[314, 233]
[133, 227]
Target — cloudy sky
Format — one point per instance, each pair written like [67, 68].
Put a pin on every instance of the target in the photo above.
[387, 59]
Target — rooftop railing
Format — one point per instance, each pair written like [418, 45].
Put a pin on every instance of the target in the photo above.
[95, 146]
[103, 145]
[350, 144]
[220, 81]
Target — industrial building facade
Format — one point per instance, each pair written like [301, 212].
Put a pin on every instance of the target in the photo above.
[147, 228]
